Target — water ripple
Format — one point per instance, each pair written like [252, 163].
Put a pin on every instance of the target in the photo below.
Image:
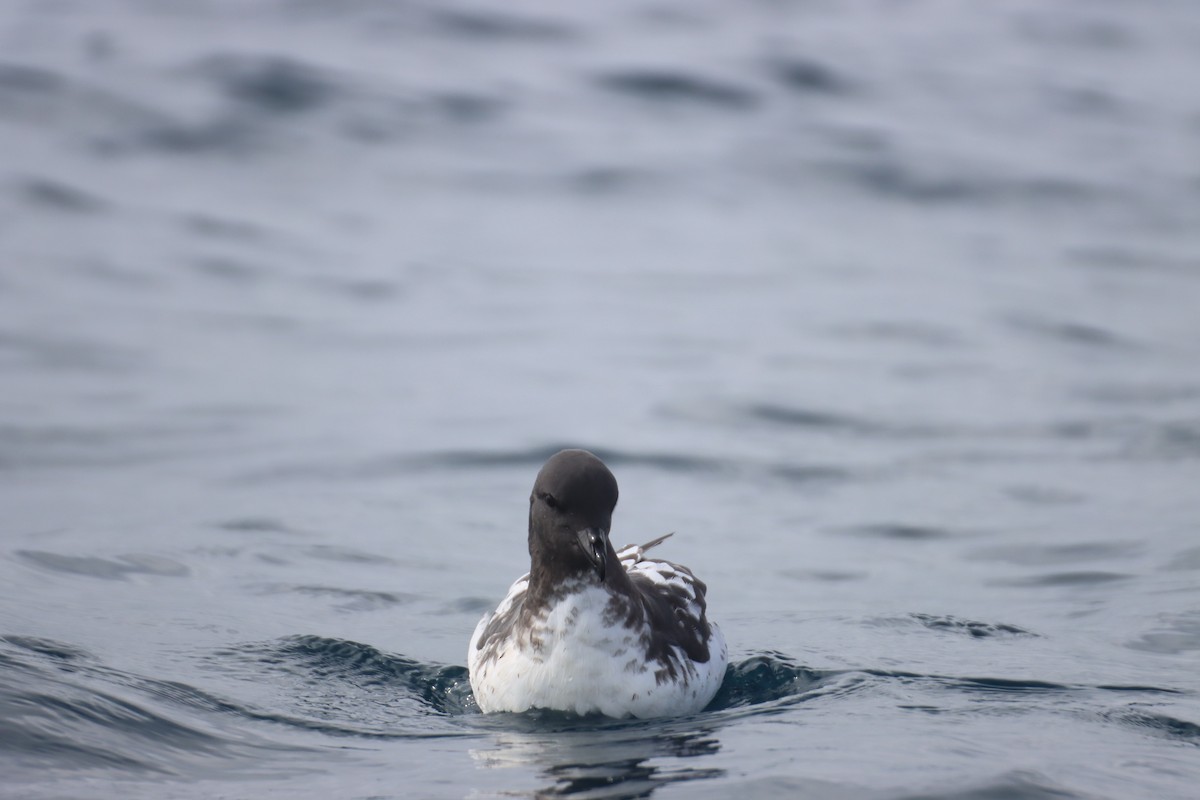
[1160, 724]
[810, 76]
[763, 679]
[838, 423]
[272, 84]
[346, 599]
[967, 627]
[678, 86]
[443, 689]
[1070, 578]
[1178, 633]
[60, 708]
[899, 531]
[60, 196]
[110, 569]
[498, 26]
[1020, 784]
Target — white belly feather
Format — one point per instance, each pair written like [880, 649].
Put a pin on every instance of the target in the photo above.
[585, 666]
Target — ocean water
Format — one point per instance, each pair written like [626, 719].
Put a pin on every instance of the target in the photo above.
[889, 310]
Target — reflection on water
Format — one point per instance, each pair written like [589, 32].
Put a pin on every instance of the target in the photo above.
[609, 762]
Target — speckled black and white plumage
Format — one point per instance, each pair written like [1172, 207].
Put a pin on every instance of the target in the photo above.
[590, 629]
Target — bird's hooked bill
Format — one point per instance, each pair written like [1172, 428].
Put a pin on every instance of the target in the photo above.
[594, 542]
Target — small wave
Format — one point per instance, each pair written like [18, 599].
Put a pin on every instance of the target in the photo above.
[997, 685]
[1081, 578]
[443, 689]
[913, 333]
[344, 599]
[256, 525]
[258, 98]
[1082, 334]
[1177, 634]
[118, 569]
[1021, 784]
[899, 531]
[55, 353]
[610, 178]
[1187, 559]
[23, 78]
[1123, 257]
[908, 181]
[468, 605]
[1149, 395]
[346, 555]
[1159, 724]
[763, 679]
[824, 575]
[59, 196]
[1087, 101]
[837, 423]
[1033, 555]
[61, 708]
[497, 26]
[28, 447]
[677, 86]
[989, 685]
[272, 84]
[967, 627]
[223, 229]
[761, 682]
[48, 648]
[1038, 495]
[77, 713]
[226, 269]
[809, 76]
[1072, 31]
[467, 107]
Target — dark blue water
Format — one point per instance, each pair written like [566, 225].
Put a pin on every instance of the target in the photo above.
[891, 311]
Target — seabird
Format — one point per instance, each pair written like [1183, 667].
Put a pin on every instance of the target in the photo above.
[590, 629]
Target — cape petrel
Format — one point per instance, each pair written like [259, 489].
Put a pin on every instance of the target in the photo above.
[591, 629]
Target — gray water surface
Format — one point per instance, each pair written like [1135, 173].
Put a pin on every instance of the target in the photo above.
[891, 311]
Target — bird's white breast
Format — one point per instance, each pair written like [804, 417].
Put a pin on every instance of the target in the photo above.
[573, 658]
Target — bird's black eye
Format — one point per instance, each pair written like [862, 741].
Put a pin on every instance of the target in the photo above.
[549, 500]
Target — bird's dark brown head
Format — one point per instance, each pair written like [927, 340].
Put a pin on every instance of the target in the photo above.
[570, 516]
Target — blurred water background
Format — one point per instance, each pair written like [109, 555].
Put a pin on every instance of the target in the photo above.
[891, 310]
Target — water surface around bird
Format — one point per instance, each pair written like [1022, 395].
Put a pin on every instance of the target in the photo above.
[888, 311]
